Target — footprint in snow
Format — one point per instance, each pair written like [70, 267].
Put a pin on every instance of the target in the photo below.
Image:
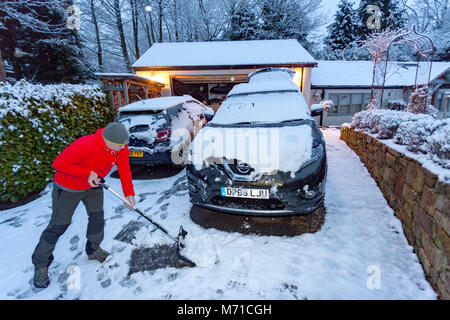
[74, 242]
[127, 282]
[42, 220]
[239, 271]
[15, 222]
[290, 289]
[143, 196]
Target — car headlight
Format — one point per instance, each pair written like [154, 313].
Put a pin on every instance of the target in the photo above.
[316, 154]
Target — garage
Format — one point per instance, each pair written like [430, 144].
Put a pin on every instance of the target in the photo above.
[208, 70]
[210, 89]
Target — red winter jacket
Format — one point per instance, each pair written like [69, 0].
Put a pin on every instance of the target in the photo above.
[90, 153]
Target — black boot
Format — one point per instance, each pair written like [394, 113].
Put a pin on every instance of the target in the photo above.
[40, 278]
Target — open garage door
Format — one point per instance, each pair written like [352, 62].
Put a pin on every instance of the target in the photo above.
[209, 89]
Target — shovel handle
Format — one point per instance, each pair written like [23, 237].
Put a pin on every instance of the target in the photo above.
[106, 186]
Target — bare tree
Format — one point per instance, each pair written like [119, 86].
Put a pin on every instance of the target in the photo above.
[97, 34]
[135, 22]
[426, 14]
[2, 68]
[160, 18]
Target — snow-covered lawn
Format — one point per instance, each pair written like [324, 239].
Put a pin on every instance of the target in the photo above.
[360, 240]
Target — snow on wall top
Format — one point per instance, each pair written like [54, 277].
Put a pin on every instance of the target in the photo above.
[359, 73]
[217, 53]
[160, 103]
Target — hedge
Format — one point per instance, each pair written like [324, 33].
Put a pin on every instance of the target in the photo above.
[36, 123]
[417, 132]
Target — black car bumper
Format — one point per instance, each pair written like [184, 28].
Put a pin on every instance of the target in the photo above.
[288, 198]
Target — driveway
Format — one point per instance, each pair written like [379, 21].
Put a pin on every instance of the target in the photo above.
[360, 252]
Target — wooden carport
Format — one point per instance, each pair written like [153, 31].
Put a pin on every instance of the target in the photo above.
[126, 88]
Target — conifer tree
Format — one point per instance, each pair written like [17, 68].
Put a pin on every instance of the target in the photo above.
[342, 31]
[41, 47]
[243, 24]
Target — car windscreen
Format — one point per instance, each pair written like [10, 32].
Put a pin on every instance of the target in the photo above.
[268, 107]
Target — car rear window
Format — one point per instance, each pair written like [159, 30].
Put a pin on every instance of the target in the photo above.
[136, 118]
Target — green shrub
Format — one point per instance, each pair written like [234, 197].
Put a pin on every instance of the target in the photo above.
[36, 123]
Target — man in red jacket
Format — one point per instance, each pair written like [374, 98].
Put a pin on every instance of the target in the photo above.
[78, 169]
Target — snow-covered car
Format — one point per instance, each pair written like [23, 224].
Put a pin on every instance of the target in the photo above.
[162, 128]
[262, 154]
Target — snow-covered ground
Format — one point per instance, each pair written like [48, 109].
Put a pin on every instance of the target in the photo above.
[360, 252]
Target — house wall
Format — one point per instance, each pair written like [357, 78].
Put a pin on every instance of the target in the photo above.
[343, 115]
[306, 85]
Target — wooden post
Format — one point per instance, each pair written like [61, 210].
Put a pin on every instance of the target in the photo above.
[444, 115]
[111, 96]
[119, 98]
[125, 92]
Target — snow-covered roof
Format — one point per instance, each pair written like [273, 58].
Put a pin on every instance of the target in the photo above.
[160, 103]
[124, 76]
[225, 53]
[359, 73]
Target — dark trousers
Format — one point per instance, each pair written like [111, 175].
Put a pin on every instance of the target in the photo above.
[64, 204]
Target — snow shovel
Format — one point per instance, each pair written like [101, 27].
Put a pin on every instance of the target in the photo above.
[178, 240]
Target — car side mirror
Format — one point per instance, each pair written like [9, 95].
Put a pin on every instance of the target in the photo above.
[208, 113]
[316, 109]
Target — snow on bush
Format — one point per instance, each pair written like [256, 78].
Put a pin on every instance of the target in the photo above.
[418, 132]
[36, 123]
[327, 105]
[419, 102]
[396, 105]
[383, 122]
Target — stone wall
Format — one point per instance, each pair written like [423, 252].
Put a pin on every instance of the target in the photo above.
[420, 200]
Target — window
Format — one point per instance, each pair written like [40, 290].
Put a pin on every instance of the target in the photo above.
[347, 104]
[335, 98]
[344, 103]
[441, 101]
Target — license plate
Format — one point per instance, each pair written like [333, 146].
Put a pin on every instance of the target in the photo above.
[245, 193]
[136, 153]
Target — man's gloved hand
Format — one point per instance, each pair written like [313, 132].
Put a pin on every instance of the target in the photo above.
[93, 179]
[131, 201]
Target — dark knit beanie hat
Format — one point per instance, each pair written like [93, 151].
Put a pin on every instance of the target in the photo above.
[116, 133]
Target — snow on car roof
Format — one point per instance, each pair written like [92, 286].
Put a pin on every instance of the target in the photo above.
[160, 103]
[271, 74]
[217, 53]
[269, 107]
[264, 86]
